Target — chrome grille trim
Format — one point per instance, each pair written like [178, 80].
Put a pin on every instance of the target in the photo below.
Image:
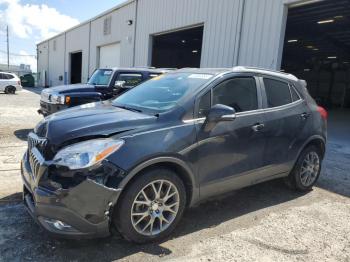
[35, 161]
[36, 145]
[35, 141]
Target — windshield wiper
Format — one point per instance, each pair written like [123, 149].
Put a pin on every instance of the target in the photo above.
[130, 108]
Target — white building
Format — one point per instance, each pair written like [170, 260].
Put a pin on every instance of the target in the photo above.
[304, 37]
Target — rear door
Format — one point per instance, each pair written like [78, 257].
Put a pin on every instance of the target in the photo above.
[285, 118]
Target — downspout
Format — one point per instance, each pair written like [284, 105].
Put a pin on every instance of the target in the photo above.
[236, 60]
[135, 28]
[64, 60]
[88, 71]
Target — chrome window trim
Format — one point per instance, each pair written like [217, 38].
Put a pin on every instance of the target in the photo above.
[251, 112]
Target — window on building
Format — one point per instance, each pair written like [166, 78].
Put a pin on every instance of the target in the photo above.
[238, 93]
[54, 45]
[277, 92]
[107, 23]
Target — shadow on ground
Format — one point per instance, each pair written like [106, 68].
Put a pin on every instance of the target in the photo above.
[22, 133]
[36, 90]
[40, 246]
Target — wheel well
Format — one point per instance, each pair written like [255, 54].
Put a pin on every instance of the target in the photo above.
[179, 170]
[319, 143]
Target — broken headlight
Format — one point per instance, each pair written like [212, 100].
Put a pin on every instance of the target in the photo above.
[87, 153]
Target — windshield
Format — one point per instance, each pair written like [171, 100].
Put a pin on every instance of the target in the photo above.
[101, 77]
[161, 93]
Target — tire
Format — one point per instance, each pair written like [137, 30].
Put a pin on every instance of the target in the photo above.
[10, 90]
[298, 178]
[130, 226]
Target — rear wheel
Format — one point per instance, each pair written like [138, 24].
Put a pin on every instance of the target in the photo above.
[151, 206]
[10, 90]
[306, 170]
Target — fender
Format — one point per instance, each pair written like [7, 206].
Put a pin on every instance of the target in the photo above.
[314, 137]
[165, 160]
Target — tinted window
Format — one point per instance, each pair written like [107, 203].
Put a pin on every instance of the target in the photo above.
[295, 95]
[204, 105]
[277, 93]
[101, 77]
[2, 76]
[9, 76]
[238, 93]
[163, 92]
[129, 79]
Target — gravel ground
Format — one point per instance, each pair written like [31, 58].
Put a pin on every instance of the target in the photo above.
[265, 222]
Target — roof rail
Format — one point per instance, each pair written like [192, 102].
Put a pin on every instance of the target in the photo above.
[263, 70]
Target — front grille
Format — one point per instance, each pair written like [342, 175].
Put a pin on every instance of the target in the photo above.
[36, 142]
[36, 147]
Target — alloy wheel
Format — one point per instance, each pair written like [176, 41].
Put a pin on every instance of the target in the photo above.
[309, 169]
[155, 207]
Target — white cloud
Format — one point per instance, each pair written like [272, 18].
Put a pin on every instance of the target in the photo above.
[33, 21]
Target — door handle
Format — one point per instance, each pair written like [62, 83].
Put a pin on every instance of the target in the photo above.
[258, 127]
[304, 115]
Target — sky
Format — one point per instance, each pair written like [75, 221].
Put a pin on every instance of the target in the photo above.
[31, 21]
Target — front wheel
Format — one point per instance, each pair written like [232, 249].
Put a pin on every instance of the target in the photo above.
[151, 206]
[306, 170]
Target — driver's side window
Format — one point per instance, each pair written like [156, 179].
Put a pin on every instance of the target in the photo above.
[238, 93]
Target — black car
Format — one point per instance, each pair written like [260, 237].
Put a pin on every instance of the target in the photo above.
[103, 84]
[136, 162]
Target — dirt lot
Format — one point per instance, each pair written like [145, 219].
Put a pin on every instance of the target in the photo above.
[266, 222]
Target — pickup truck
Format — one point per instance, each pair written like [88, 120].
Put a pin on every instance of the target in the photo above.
[104, 84]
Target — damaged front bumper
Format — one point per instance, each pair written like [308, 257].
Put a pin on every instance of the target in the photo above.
[82, 209]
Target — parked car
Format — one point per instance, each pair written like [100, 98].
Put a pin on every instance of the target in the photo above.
[28, 80]
[139, 160]
[103, 84]
[9, 83]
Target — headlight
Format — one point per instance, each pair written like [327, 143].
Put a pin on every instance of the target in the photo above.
[57, 99]
[87, 153]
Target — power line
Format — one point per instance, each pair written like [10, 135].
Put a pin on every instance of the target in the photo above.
[14, 54]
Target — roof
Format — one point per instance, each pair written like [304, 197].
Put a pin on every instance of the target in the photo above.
[125, 3]
[240, 69]
[138, 69]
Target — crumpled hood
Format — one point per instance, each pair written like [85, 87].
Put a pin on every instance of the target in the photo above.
[94, 119]
[67, 89]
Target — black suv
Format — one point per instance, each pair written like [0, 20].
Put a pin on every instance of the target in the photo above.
[103, 84]
[137, 161]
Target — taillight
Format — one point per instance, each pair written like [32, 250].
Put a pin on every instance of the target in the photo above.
[323, 112]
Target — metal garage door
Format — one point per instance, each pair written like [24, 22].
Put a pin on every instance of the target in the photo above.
[110, 56]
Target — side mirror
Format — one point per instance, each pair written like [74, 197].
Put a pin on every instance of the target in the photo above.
[219, 113]
[119, 84]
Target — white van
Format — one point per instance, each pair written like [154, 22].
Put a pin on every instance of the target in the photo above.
[9, 83]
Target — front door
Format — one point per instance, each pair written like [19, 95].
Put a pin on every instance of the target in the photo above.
[230, 154]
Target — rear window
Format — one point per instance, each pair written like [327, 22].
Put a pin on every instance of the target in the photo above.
[9, 76]
[295, 95]
[129, 79]
[277, 92]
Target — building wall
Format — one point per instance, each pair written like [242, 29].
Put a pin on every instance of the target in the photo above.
[121, 33]
[263, 27]
[43, 61]
[236, 32]
[56, 60]
[77, 40]
[221, 20]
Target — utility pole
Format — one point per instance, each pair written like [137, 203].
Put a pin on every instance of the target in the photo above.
[8, 48]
